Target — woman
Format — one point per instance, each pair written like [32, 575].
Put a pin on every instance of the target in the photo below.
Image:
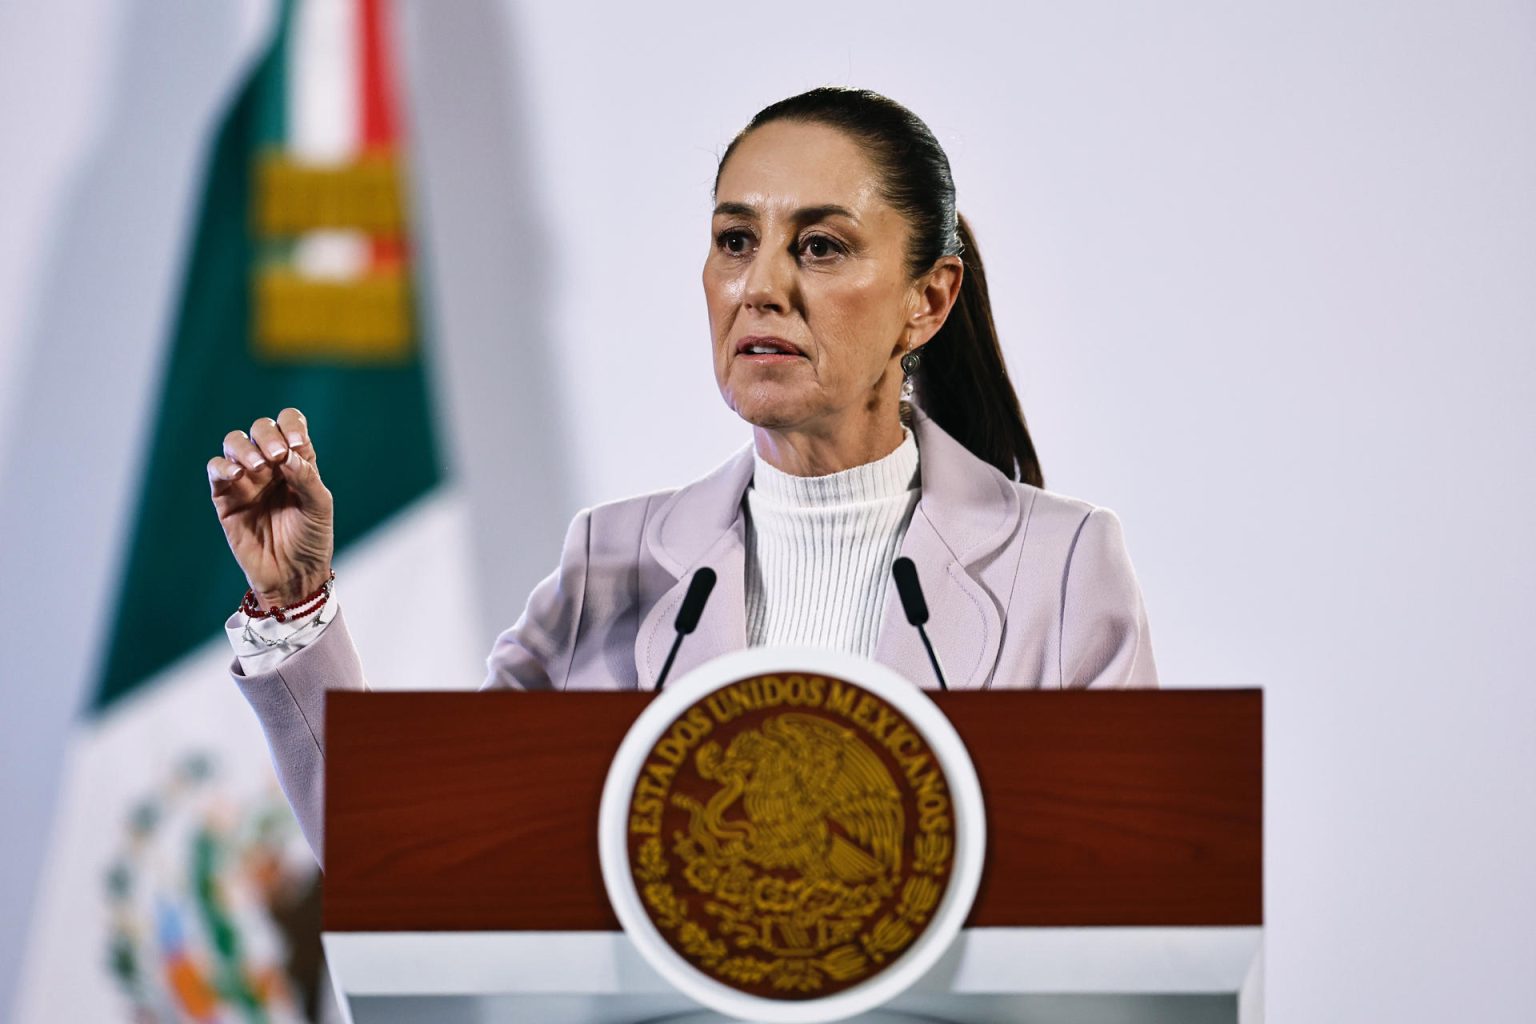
[840, 280]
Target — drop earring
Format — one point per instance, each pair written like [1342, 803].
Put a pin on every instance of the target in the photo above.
[909, 364]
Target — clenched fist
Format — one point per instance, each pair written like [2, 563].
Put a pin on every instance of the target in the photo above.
[276, 513]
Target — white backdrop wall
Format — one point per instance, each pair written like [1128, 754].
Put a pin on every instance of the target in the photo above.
[1266, 277]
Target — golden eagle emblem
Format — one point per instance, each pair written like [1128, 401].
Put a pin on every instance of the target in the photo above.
[782, 850]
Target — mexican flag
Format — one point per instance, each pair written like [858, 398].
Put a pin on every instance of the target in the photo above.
[178, 887]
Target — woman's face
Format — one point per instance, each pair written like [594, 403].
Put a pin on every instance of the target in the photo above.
[810, 303]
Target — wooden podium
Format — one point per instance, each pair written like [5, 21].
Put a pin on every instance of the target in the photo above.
[1123, 878]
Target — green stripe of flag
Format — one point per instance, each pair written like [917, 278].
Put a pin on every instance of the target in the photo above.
[372, 423]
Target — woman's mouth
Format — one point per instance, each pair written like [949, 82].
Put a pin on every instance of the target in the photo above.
[767, 349]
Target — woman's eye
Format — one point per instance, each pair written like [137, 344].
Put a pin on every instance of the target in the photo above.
[735, 241]
[819, 247]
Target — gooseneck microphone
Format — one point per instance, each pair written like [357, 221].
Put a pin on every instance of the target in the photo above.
[688, 615]
[916, 608]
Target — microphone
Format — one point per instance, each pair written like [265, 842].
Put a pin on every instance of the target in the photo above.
[688, 615]
[916, 608]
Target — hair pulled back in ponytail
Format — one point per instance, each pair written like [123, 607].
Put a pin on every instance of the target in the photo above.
[962, 382]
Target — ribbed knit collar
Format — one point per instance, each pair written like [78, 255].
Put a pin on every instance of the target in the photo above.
[888, 477]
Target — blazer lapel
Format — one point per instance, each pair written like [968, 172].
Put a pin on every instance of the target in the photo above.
[722, 628]
[700, 525]
[968, 510]
[964, 620]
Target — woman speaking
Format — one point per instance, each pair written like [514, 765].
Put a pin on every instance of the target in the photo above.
[851, 328]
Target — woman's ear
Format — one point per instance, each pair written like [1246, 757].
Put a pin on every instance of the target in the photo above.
[934, 296]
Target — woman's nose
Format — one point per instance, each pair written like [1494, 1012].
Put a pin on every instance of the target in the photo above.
[770, 281]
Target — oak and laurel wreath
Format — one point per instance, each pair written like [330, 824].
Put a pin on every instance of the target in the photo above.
[892, 933]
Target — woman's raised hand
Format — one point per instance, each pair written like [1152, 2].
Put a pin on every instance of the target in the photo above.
[276, 512]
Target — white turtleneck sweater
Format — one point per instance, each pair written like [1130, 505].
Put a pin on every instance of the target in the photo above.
[819, 554]
[820, 548]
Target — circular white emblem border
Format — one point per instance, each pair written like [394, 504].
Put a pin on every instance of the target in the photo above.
[965, 792]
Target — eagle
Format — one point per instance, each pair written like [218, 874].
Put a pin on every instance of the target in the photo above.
[814, 800]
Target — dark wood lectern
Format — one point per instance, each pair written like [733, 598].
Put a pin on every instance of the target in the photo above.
[1124, 866]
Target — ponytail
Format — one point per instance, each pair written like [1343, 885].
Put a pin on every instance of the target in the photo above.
[962, 383]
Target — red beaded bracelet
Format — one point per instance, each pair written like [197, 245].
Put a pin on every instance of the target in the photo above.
[297, 610]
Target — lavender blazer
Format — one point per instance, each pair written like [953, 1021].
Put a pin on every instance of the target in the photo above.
[1025, 589]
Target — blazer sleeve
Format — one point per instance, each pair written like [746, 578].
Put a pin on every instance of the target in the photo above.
[535, 653]
[1105, 641]
[289, 701]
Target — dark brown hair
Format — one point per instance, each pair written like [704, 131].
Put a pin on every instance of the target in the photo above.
[962, 382]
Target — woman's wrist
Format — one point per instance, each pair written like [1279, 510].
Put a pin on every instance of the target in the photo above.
[301, 597]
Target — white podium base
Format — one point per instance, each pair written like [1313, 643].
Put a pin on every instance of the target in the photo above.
[1042, 975]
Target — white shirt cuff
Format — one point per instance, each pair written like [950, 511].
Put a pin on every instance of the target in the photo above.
[263, 644]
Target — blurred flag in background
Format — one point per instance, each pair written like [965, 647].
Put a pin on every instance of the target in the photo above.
[177, 886]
